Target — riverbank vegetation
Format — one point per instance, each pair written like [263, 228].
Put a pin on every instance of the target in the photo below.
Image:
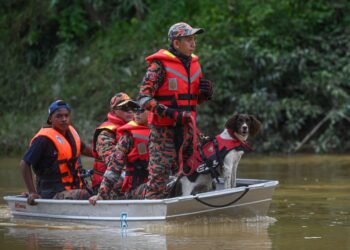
[287, 62]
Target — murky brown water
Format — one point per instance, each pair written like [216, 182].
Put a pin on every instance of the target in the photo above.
[310, 210]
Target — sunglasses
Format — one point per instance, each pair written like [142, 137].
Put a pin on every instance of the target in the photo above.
[139, 110]
[125, 108]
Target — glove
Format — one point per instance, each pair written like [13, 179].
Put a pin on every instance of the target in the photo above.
[183, 117]
[161, 109]
[206, 88]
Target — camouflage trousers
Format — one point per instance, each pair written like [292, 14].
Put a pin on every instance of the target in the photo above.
[74, 194]
[163, 146]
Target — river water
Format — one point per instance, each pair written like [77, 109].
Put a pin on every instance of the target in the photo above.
[310, 210]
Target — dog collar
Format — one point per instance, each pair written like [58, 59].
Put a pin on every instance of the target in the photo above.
[245, 144]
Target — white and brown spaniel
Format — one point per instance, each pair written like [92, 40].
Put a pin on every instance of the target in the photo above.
[218, 157]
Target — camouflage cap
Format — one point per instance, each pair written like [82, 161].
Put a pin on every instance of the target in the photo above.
[119, 99]
[181, 30]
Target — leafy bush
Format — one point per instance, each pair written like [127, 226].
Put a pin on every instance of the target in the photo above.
[286, 62]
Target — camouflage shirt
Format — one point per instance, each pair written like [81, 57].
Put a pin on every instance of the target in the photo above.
[105, 145]
[152, 80]
[115, 164]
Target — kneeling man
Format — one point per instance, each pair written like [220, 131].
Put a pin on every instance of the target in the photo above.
[131, 158]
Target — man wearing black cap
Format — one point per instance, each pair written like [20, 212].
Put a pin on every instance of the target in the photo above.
[171, 89]
[53, 154]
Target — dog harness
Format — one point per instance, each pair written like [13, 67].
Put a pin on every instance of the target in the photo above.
[210, 155]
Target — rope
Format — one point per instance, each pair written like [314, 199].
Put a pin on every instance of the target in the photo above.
[226, 205]
[191, 125]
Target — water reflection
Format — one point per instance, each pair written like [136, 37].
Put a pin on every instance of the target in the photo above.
[209, 234]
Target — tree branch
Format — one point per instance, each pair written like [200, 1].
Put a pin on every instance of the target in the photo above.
[308, 136]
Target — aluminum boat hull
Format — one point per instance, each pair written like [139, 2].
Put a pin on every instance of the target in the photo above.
[251, 198]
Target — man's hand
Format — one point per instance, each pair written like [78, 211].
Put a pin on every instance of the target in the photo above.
[31, 198]
[95, 198]
[25, 194]
[183, 117]
[206, 88]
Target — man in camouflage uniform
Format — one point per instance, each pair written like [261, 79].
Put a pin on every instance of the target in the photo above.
[105, 136]
[131, 157]
[171, 89]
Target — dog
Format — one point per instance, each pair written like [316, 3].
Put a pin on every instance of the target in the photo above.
[218, 157]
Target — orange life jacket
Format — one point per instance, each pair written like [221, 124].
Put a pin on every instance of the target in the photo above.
[137, 160]
[64, 175]
[112, 124]
[180, 89]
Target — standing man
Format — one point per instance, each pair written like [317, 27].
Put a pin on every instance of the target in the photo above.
[171, 89]
[105, 137]
[131, 156]
[53, 153]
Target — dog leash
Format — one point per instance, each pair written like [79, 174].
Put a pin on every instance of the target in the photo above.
[191, 125]
[227, 204]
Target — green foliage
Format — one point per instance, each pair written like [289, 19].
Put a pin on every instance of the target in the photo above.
[286, 62]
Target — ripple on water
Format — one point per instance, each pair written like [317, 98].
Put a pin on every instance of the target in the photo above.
[220, 223]
[5, 212]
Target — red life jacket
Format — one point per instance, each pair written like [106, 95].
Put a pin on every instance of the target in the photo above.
[137, 160]
[66, 164]
[214, 152]
[180, 89]
[112, 124]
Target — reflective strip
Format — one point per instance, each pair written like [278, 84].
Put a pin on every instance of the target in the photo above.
[141, 137]
[168, 53]
[110, 127]
[177, 73]
[195, 75]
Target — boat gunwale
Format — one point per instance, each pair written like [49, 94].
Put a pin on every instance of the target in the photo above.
[214, 193]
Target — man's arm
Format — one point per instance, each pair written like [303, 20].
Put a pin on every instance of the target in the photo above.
[86, 150]
[115, 166]
[27, 176]
[26, 172]
[105, 145]
[152, 80]
[33, 157]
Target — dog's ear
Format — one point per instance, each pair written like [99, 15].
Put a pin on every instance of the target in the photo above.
[255, 126]
[231, 122]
